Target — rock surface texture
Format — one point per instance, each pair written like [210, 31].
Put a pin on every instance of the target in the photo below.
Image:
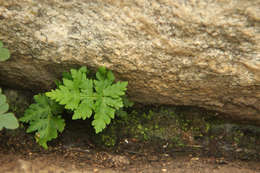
[184, 52]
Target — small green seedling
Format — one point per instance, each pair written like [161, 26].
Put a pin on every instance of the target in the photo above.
[7, 119]
[4, 53]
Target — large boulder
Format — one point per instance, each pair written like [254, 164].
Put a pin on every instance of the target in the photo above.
[201, 53]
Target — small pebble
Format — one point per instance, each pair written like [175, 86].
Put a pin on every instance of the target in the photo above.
[164, 170]
[194, 159]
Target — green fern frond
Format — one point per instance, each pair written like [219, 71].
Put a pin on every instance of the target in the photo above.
[44, 119]
[85, 96]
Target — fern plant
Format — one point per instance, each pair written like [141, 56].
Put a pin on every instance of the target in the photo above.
[7, 119]
[44, 117]
[85, 97]
[100, 97]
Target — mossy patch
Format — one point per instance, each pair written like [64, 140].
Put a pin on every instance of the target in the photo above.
[155, 124]
[175, 127]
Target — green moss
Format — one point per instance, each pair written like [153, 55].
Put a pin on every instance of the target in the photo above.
[107, 138]
[178, 141]
[178, 129]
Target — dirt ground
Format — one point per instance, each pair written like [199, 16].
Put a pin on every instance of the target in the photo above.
[20, 154]
[75, 152]
[53, 163]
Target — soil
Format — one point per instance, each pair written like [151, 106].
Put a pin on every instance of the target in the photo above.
[75, 151]
[17, 156]
[59, 163]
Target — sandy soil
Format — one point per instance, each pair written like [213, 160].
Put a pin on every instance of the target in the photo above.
[52, 163]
